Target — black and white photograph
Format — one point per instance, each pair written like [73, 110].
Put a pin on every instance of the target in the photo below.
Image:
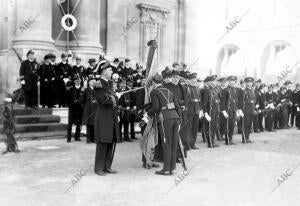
[149, 102]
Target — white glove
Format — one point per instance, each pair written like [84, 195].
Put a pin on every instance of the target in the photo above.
[225, 114]
[118, 95]
[53, 78]
[201, 114]
[298, 109]
[207, 117]
[241, 113]
[127, 108]
[145, 119]
[66, 80]
[38, 83]
[272, 106]
[134, 107]
[23, 82]
[257, 106]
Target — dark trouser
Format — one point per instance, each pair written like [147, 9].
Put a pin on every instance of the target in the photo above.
[222, 124]
[210, 136]
[31, 98]
[284, 116]
[184, 131]
[169, 141]
[269, 120]
[61, 94]
[193, 129]
[231, 122]
[248, 120]
[104, 156]
[260, 118]
[124, 122]
[90, 137]
[276, 118]
[293, 115]
[255, 122]
[77, 132]
[239, 126]
[298, 120]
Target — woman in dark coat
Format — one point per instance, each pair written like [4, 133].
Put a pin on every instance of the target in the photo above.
[89, 109]
[106, 122]
[75, 111]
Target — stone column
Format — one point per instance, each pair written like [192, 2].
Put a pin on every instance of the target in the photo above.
[33, 25]
[87, 31]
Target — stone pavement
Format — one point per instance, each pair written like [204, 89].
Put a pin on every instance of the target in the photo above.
[42, 175]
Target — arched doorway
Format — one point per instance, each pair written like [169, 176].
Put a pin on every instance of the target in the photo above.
[230, 61]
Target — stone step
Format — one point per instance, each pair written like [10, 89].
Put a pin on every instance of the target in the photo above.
[26, 112]
[35, 119]
[37, 135]
[40, 127]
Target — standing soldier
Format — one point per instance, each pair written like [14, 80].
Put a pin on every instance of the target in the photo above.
[241, 91]
[284, 107]
[297, 105]
[29, 79]
[75, 111]
[262, 104]
[224, 107]
[294, 107]
[193, 110]
[276, 105]
[166, 108]
[233, 106]
[211, 109]
[249, 107]
[106, 122]
[289, 93]
[256, 86]
[269, 120]
[63, 69]
[89, 109]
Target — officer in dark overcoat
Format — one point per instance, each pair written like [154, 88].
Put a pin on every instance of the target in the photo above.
[297, 105]
[106, 122]
[29, 79]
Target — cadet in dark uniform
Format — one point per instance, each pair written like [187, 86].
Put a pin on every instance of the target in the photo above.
[193, 110]
[75, 110]
[106, 122]
[167, 109]
[289, 94]
[62, 71]
[211, 108]
[233, 106]
[277, 104]
[249, 107]
[240, 92]
[224, 107]
[256, 86]
[90, 71]
[284, 107]
[89, 109]
[29, 79]
[294, 107]
[297, 105]
[269, 120]
[262, 104]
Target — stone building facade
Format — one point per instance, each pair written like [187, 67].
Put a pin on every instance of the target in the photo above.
[117, 28]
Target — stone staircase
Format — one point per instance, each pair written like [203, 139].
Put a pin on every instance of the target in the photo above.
[35, 124]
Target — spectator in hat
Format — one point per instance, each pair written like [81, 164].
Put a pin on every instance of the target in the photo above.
[75, 110]
[47, 82]
[77, 70]
[127, 70]
[29, 79]
[62, 71]
[90, 70]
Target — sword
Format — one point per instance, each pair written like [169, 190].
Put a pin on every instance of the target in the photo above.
[131, 90]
